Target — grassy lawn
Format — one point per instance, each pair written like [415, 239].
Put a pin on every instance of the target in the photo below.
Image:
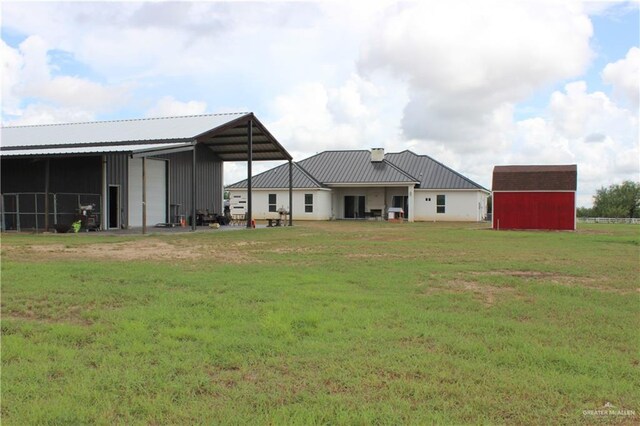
[331, 323]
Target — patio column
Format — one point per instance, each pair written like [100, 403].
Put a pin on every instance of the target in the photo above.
[410, 202]
[249, 163]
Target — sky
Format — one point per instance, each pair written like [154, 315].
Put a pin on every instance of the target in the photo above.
[472, 84]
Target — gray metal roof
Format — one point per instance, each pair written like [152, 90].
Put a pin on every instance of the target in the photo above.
[335, 168]
[278, 177]
[224, 134]
[430, 173]
[353, 167]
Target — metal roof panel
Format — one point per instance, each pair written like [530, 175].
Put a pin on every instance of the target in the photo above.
[104, 132]
[431, 173]
[340, 168]
[345, 167]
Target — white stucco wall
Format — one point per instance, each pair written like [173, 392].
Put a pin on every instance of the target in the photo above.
[260, 205]
[463, 206]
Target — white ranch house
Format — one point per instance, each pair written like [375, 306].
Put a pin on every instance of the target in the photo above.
[364, 185]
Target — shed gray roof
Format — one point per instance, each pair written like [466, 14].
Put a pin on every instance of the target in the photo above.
[278, 177]
[224, 134]
[334, 168]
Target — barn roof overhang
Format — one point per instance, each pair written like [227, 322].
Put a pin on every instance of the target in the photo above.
[227, 135]
[230, 142]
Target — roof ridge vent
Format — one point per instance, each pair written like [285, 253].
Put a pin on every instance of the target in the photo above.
[377, 155]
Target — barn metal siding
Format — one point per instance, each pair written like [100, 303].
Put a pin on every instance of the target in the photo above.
[209, 177]
[118, 174]
[534, 210]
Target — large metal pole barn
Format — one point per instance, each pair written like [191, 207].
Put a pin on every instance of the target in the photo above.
[96, 158]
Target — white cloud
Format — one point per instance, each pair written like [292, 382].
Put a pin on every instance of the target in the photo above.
[47, 114]
[167, 107]
[467, 63]
[578, 114]
[314, 117]
[132, 40]
[354, 115]
[441, 78]
[12, 63]
[27, 74]
[583, 128]
[624, 76]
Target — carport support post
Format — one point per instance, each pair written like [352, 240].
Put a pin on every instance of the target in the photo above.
[46, 196]
[144, 195]
[193, 188]
[290, 193]
[249, 162]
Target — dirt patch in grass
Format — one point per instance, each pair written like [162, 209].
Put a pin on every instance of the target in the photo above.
[144, 249]
[73, 316]
[377, 256]
[559, 279]
[290, 249]
[485, 293]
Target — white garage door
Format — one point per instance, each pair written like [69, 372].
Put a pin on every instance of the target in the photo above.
[156, 191]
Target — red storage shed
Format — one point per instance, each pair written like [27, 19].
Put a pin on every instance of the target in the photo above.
[534, 197]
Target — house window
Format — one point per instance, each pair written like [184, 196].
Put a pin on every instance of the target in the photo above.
[440, 202]
[273, 203]
[308, 203]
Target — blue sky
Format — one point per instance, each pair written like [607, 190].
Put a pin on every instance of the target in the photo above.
[472, 84]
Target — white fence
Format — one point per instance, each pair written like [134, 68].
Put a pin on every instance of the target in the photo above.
[632, 220]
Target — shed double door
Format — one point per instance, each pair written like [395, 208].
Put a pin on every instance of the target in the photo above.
[156, 191]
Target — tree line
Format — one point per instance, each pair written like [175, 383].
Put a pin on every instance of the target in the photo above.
[618, 200]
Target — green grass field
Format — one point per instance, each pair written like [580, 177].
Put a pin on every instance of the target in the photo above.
[322, 323]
